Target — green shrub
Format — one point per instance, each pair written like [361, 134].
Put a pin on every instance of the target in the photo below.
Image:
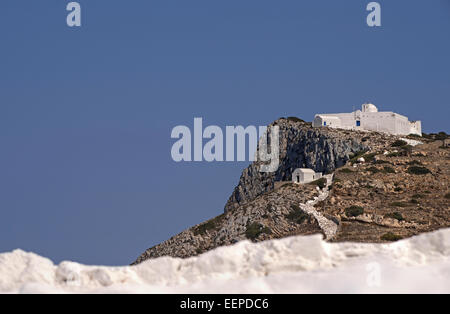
[387, 169]
[399, 143]
[395, 215]
[354, 211]
[399, 204]
[380, 162]
[201, 230]
[394, 154]
[255, 229]
[447, 196]
[369, 157]
[298, 216]
[414, 201]
[398, 189]
[418, 196]
[355, 156]
[321, 183]
[418, 170]
[414, 162]
[441, 136]
[390, 237]
[295, 119]
[373, 169]
[209, 225]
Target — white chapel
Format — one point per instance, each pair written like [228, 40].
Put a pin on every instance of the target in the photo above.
[370, 119]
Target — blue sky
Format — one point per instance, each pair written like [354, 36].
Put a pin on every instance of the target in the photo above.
[86, 114]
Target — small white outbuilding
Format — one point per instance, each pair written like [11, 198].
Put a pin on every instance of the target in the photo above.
[305, 175]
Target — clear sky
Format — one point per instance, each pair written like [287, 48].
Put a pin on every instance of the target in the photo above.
[86, 114]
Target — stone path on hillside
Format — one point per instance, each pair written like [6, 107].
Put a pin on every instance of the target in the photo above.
[328, 226]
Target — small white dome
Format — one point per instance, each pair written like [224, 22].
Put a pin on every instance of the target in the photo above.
[369, 108]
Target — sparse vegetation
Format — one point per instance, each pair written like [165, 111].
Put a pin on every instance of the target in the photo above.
[399, 204]
[394, 154]
[201, 230]
[380, 162]
[418, 170]
[387, 169]
[369, 157]
[321, 183]
[414, 201]
[295, 119]
[354, 158]
[390, 237]
[399, 143]
[354, 211]
[414, 162]
[418, 196]
[255, 229]
[373, 169]
[395, 215]
[298, 216]
[447, 196]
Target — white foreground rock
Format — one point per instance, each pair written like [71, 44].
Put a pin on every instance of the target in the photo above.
[292, 265]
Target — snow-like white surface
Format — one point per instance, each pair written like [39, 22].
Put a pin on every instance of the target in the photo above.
[292, 265]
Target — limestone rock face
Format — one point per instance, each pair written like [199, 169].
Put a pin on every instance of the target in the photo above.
[301, 146]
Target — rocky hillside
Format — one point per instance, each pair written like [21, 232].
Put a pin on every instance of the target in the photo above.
[273, 215]
[302, 146]
[393, 194]
[381, 189]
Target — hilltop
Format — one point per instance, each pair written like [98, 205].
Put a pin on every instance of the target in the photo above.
[377, 188]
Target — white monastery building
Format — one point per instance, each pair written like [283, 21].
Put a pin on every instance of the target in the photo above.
[305, 175]
[370, 119]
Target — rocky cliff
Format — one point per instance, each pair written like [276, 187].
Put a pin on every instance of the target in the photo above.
[302, 146]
